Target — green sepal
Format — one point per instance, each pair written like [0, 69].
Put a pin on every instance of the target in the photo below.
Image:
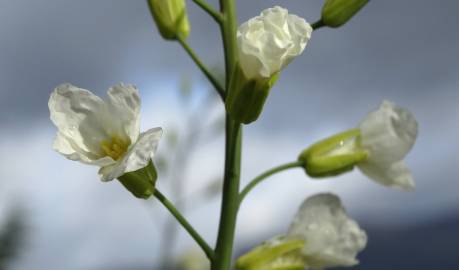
[140, 183]
[323, 166]
[337, 12]
[324, 146]
[334, 155]
[170, 17]
[247, 97]
[284, 255]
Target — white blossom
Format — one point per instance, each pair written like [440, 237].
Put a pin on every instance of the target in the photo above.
[331, 238]
[269, 42]
[388, 134]
[102, 132]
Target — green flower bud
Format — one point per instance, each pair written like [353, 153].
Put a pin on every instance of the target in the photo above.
[276, 254]
[334, 155]
[140, 183]
[247, 97]
[170, 17]
[337, 12]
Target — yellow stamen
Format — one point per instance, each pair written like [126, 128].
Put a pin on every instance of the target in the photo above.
[116, 147]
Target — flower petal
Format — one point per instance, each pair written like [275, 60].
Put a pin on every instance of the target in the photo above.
[64, 146]
[331, 238]
[137, 157]
[124, 104]
[395, 175]
[388, 133]
[77, 113]
[68, 148]
[269, 42]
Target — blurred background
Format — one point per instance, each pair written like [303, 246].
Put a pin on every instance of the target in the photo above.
[56, 214]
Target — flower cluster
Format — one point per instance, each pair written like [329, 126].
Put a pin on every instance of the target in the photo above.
[106, 133]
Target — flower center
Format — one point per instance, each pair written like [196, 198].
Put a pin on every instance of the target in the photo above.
[116, 147]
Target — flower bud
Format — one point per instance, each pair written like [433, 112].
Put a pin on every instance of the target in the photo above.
[334, 155]
[277, 253]
[140, 183]
[266, 44]
[247, 97]
[337, 12]
[170, 17]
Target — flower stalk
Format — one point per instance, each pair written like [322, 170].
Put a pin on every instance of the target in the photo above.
[229, 207]
[265, 175]
[186, 225]
[216, 84]
[217, 16]
[233, 135]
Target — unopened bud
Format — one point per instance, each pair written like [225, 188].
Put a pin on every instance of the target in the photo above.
[337, 12]
[170, 17]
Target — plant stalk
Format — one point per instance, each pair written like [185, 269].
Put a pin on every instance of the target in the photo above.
[230, 202]
[265, 175]
[215, 83]
[210, 10]
[186, 225]
[229, 207]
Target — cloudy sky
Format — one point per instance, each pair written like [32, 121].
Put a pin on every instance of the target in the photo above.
[404, 51]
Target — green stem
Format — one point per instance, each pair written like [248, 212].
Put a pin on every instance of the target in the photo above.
[265, 175]
[228, 29]
[229, 207]
[186, 225]
[210, 10]
[201, 66]
[318, 24]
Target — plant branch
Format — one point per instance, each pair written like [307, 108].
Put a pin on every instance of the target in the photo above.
[210, 10]
[218, 87]
[186, 225]
[265, 175]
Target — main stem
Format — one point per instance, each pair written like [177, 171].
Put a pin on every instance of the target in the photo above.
[230, 203]
[229, 207]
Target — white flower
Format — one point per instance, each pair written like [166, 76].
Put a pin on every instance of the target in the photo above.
[102, 132]
[331, 238]
[388, 134]
[269, 42]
